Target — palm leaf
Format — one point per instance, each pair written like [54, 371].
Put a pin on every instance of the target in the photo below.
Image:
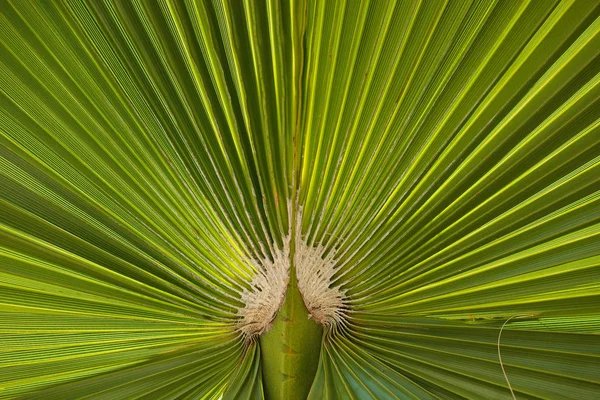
[183, 184]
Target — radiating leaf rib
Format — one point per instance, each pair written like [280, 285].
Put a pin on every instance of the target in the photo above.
[247, 384]
[440, 158]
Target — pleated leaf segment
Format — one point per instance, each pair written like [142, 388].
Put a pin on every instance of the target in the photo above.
[291, 199]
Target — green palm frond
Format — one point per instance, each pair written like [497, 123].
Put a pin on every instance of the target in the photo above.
[291, 199]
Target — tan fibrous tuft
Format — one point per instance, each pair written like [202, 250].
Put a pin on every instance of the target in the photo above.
[268, 288]
[315, 270]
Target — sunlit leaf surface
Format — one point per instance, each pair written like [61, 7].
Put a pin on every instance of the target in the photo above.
[440, 160]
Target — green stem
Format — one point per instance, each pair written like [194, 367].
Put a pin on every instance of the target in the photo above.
[290, 350]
